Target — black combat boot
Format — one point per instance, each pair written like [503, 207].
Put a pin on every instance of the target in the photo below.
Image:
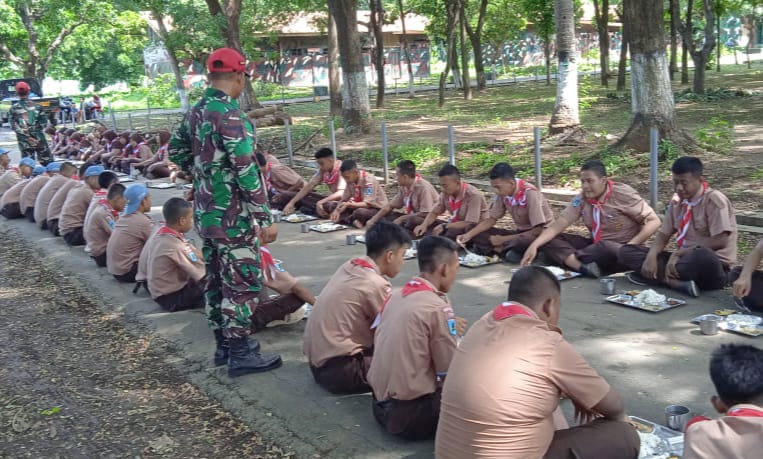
[241, 359]
[221, 351]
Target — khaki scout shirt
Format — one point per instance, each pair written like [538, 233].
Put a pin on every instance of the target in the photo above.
[57, 203]
[98, 228]
[75, 206]
[340, 322]
[473, 207]
[711, 217]
[283, 178]
[624, 213]
[413, 344]
[368, 189]
[534, 211]
[167, 263]
[739, 437]
[31, 191]
[42, 203]
[335, 177]
[14, 193]
[126, 242]
[504, 385]
[421, 195]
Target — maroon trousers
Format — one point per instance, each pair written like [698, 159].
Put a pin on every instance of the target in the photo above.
[701, 265]
[598, 439]
[189, 297]
[345, 374]
[11, 210]
[274, 309]
[481, 243]
[411, 419]
[754, 300]
[307, 205]
[350, 216]
[603, 253]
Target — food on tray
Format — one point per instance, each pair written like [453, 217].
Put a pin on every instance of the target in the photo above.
[641, 427]
[633, 292]
[725, 312]
[556, 271]
[650, 297]
[326, 227]
[473, 260]
[672, 301]
[743, 320]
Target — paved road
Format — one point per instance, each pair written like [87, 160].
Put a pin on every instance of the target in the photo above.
[652, 359]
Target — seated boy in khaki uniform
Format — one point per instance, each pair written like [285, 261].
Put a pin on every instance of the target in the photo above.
[130, 234]
[171, 266]
[338, 340]
[101, 223]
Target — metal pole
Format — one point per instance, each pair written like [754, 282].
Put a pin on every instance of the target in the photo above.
[654, 150]
[129, 119]
[288, 142]
[538, 177]
[113, 117]
[451, 145]
[385, 152]
[332, 135]
[148, 115]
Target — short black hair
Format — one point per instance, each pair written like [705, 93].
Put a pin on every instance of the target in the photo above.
[174, 208]
[433, 251]
[82, 169]
[449, 170]
[532, 284]
[115, 191]
[261, 159]
[385, 236]
[68, 167]
[324, 153]
[106, 179]
[596, 166]
[737, 373]
[687, 165]
[407, 168]
[501, 171]
[348, 165]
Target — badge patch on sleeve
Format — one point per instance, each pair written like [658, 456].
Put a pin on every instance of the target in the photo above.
[577, 201]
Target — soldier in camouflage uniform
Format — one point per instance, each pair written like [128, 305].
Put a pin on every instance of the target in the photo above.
[29, 122]
[231, 214]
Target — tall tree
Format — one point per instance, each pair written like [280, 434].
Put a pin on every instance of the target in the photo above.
[675, 25]
[467, 84]
[452, 9]
[335, 85]
[406, 50]
[34, 32]
[377, 21]
[685, 46]
[541, 14]
[475, 36]
[601, 12]
[622, 66]
[701, 49]
[355, 107]
[566, 115]
[160, 17]
[652, 105]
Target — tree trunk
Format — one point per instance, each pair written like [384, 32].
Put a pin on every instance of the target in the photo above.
[688, 28]
[377, 20]
[406, 51]
[451, 7]
[623, 64]
[718, 41]
[465, 55]
[702, 55]
[566, 115]
[335, 85]
[174, 64]
[652, 105]
[547, 53]
[355, 107]
[675, 19]
[475, 36]
[602, 26]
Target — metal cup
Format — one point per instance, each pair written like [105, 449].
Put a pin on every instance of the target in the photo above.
[351, 239]
[607, 286]
[304, 227]
[276, 217]
[709, 326]
[677, 416]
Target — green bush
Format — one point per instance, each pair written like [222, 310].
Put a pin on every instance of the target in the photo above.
[422, 154]
[161, 91]
[718, 137]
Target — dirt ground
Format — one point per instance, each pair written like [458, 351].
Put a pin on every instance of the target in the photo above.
[77, 383]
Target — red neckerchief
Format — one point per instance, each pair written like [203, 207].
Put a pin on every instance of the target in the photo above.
[136, 149]
[746, 412]
[359, 187]
[519, 197]
[330, 178]
[362, 263]
[507, 309]
[161, 152]
[268, 262]
[114, 143]
[597, 211]
[455, 204]
[687, 218]
[416, 285]
[407, 198]
[107, 205]
[171, 232]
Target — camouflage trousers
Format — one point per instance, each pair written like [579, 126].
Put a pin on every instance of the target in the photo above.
[41, 152]
[234, 282]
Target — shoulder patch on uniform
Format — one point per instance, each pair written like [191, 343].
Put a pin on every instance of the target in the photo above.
[577, 201]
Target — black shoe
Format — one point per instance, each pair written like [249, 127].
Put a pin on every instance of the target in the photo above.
[221, 351]
[512, 256]
[242, 361]
[591, 270]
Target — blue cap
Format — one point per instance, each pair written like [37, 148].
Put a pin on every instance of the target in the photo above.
[54, 166]
[3, 151]
[134, 194]
[94, 171]
[27, 162]
[38, 170]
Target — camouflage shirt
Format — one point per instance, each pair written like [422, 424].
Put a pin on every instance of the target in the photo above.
[27, 122]
[215, 142]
